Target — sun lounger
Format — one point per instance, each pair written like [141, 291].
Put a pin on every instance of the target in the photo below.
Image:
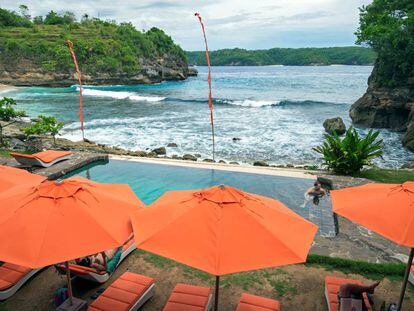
[44, 159]
[332, 285]
[12, 277]
[93, 274]
[189, 298]
[128, 293]
[256, 303]
[411, 275]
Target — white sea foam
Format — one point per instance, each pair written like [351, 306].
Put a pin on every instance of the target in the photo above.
[121, 95]
[251, 103]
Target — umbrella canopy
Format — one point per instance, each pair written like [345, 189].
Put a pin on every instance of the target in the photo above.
[383, 208]
[223, 230]
[60, 221]
[10, 177]
[387, 209]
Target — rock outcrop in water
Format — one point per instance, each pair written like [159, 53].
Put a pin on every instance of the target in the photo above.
[387, 107]
[334, 125]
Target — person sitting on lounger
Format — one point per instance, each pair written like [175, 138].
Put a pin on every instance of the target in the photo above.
[354, 291]
[101, 263]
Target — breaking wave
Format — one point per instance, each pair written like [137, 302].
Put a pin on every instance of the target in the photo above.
[120, 95]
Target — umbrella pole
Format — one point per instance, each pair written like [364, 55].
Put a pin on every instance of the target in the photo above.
[70, 294]
[407, 274]
[216, 294]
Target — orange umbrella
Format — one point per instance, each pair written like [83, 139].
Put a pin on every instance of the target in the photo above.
[10, 177]
[387, 209]
[58, 221]
[223, 230]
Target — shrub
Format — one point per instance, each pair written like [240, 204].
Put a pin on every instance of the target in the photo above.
[8, 115]
[350, 154]
[44, 125]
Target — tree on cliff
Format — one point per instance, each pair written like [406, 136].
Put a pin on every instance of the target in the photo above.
[388, 27]
[8, 115]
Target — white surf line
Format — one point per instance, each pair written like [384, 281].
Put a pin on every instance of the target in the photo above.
[274, 171]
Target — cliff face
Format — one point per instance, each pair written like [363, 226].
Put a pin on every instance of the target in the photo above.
[387, 107]
[25, 72]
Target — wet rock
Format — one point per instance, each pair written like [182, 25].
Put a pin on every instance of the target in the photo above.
[197, 155]
[234, 163]
[176, 157]
[172, 145]
[160, 151]
[236, 139]
[409, 165]
[189, 157]
[192, 72]
[334, 125]
[222, 161]
[260, 163]
[209, 160]
[17, 144]
[290, 165]
[151, 155]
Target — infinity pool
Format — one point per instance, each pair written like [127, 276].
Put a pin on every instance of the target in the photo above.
[149, 181]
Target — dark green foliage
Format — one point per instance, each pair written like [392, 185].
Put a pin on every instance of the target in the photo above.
[278, 56]
[388, 27]
[7, 115]
[44, 125]
[350, 154]
[100, 46]
[367, 269]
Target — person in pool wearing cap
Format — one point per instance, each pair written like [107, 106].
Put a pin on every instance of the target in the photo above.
[314, 193]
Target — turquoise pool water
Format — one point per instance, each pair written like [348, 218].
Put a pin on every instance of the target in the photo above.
[150, 181]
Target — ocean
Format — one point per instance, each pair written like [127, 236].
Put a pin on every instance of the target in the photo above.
[276, 111]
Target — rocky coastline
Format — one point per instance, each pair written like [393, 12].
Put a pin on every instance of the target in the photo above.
[29, 73]
[20, 142]
[387, 107]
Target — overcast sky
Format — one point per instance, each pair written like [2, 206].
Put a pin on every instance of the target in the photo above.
[250, 24]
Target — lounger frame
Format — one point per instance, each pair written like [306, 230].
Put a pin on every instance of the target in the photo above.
[147, 295]
[411, 276]
[7, 293]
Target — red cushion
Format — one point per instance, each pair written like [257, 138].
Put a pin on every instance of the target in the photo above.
[332, 285]
[122, 294]
[256, 303]
[188, 298]
[10, 274]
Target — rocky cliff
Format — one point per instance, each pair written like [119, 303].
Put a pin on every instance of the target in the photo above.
[387, 107]
[26, 72]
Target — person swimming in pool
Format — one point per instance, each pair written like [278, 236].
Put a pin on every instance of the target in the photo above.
[314, 193]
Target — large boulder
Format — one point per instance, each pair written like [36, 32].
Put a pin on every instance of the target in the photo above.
[189, 157]
[160, 151]
[334, 125]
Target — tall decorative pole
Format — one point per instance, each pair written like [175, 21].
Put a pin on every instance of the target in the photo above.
[210, 100]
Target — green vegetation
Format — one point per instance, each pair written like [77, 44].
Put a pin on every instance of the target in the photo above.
[367, 269]
[44, 125]
[351, 55]
[386, 175]
[8, 115]
[100, 46]
[350, 154]
[388, 27]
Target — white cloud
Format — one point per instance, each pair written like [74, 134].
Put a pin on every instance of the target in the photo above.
[230, 23]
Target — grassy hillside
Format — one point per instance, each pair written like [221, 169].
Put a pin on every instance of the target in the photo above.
[101, 46]
[351, 55]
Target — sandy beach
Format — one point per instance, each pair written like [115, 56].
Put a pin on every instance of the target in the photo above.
[5, 88]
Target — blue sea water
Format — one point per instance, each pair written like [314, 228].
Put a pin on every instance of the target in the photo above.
[277, 111]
